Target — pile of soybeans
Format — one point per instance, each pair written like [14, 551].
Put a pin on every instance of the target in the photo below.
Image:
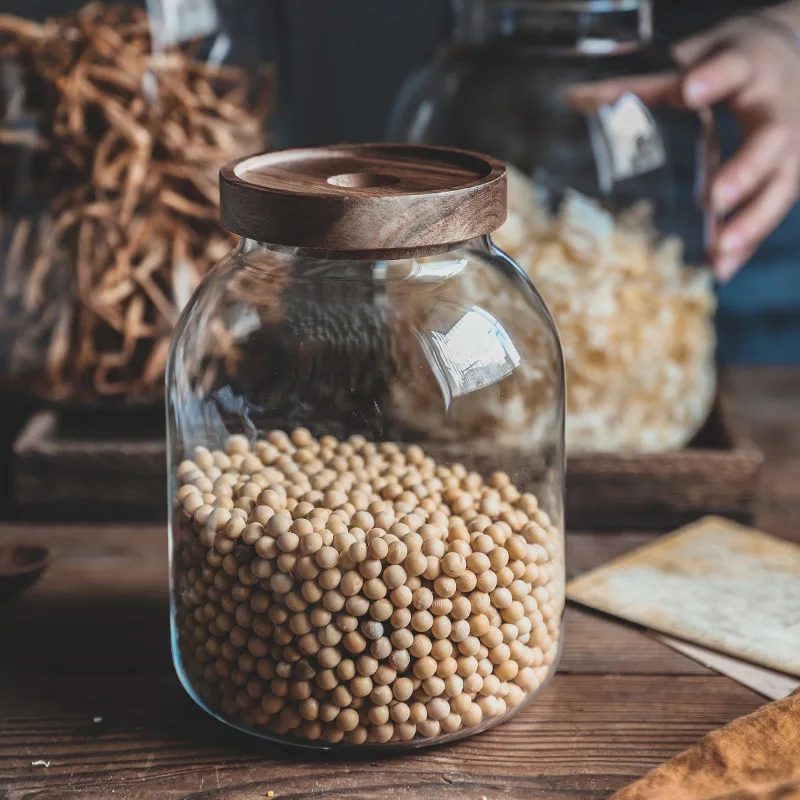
[357, 592]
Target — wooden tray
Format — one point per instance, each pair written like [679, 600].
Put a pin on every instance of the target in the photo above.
[91, 465]
[718, 473]
[72, 465]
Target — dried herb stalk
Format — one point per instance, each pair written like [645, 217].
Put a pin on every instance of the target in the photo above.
[121, 185]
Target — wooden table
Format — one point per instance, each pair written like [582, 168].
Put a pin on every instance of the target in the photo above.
[87, 684]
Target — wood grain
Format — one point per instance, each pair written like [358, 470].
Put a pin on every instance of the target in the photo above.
[90, 641]
[718, 474]
[72, 466]
[126, 566]
[91, 465]
[768, 398]
[380, 199]
[583, 738]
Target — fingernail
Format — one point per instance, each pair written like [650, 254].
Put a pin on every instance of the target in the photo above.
[694, 92]
[724, 196]
[726, 269]
[731, 242]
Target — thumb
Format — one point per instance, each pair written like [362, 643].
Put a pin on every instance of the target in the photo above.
[659, 89]
[689, 51]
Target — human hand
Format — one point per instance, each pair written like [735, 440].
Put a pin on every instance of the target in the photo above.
[751, 66]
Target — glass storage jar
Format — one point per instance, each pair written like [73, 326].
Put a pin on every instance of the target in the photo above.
[605, 202]
[343, 570]
[114, 120]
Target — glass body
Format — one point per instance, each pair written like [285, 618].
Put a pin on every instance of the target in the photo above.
[366, 476]
[605, 203]
[113, 124]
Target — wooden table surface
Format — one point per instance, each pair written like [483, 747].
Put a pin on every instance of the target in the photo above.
[87, 684]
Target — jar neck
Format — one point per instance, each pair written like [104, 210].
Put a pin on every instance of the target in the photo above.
[579, 26]
[303, 258]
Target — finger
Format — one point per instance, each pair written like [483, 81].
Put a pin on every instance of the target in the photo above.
[726, 267]
[744, 233]
[717, 78]
[663, 88]
[758, 158]
[689, 51]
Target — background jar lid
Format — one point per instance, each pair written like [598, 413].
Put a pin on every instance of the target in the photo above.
[387, 199]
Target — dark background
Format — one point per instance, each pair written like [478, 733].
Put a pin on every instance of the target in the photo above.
[342, 62]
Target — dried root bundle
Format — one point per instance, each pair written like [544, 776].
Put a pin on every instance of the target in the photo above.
[112, 213]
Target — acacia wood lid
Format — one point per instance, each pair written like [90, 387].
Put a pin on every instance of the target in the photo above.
[364, 198]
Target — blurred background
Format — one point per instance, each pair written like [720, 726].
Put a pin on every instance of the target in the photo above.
[344, 61]
[341, 66]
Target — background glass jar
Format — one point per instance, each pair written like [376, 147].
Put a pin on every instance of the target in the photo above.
[343, 569]
[114, 119]
[605, 202]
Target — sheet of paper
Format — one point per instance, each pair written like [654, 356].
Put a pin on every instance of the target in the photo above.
[768, 682]
[722, 586]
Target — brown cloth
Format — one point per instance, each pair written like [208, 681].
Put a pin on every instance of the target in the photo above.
[756, 757]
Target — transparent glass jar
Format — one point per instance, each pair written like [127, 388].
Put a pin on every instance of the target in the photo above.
[114, 119]
[605, 205]
[344, 572]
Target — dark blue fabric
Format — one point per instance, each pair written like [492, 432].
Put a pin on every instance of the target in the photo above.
[759, 311]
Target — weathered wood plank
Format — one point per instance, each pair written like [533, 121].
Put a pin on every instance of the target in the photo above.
[71, 466]
[104, 605]
[582, 738]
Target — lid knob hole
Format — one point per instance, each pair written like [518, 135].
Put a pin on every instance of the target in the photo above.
[362, 180]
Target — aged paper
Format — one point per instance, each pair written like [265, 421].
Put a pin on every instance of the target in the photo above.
[720, 585]
[768, 682]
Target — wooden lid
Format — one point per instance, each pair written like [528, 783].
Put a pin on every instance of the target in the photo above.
[364, 198]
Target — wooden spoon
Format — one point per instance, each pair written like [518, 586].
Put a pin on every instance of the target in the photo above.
[21, 566]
